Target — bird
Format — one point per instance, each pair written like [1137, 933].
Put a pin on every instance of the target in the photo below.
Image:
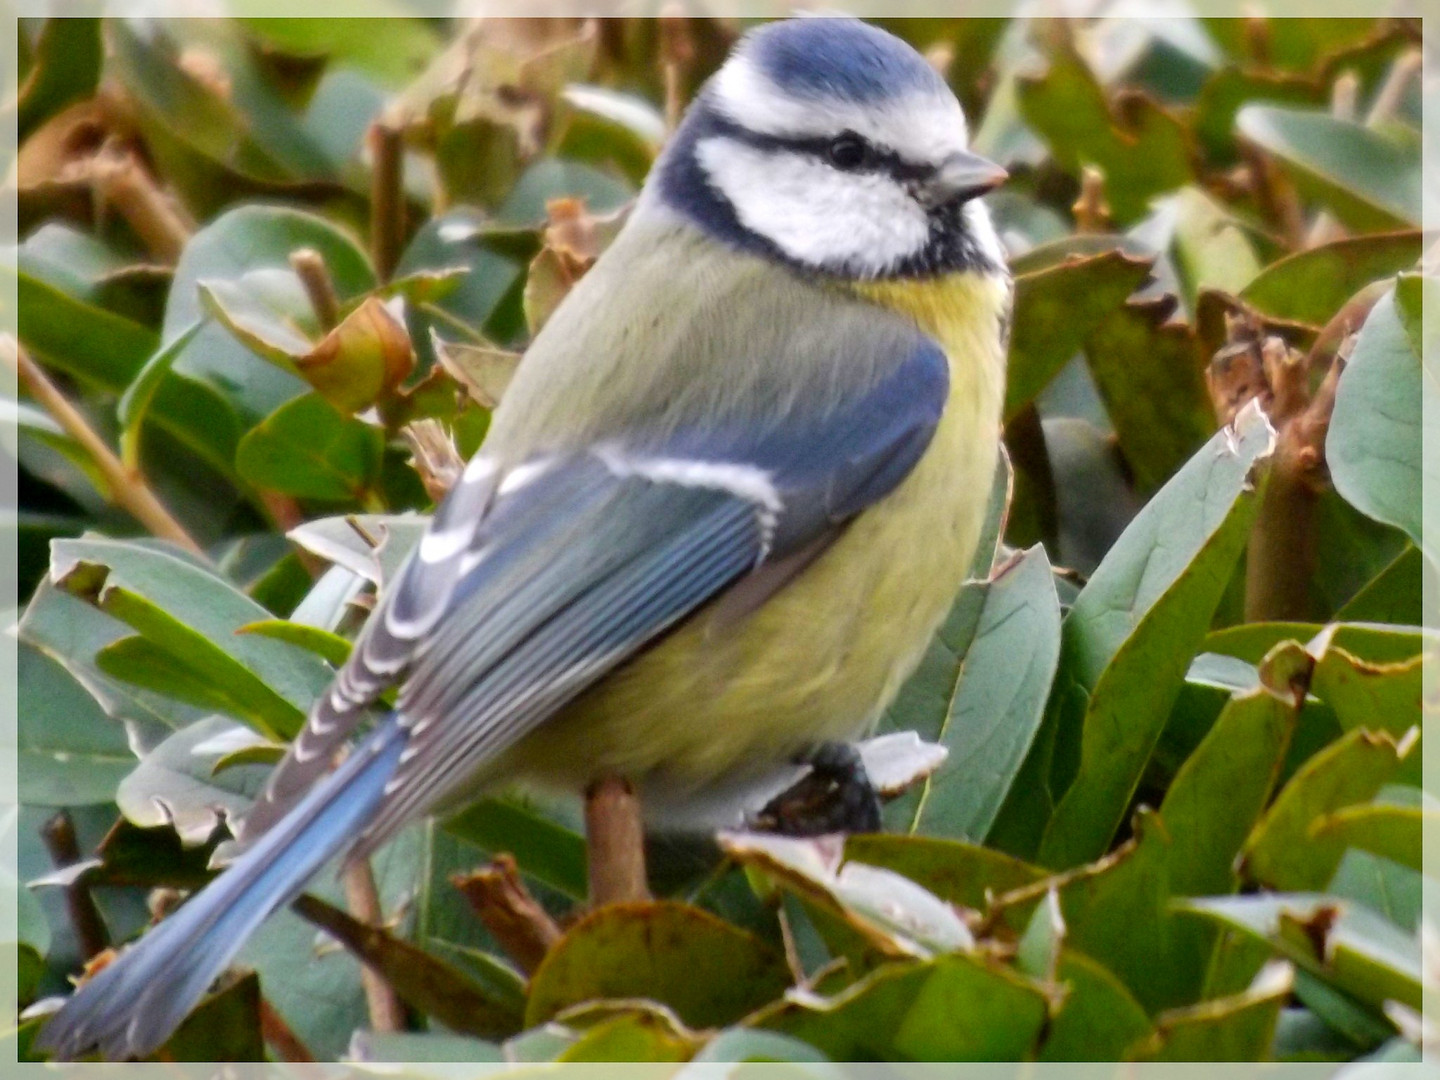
[727, 499]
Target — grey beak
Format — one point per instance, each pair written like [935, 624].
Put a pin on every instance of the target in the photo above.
[963, 175]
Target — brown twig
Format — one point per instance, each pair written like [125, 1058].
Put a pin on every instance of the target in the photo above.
[436, 460]
[309, 266]
[1403, 71]
[59, 836]
[387, 197]
[280, 1037]
[516, 920]
[677, 53]
[127, 488]
[121, 181]
[615, 843]
[363, 899]
[1282, 547]
[1091, 209]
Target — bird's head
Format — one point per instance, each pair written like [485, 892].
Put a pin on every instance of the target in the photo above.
[834, 147]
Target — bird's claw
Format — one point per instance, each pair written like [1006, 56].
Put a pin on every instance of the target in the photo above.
[836, 795]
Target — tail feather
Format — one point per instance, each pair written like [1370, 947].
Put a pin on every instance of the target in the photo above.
[131, 1007]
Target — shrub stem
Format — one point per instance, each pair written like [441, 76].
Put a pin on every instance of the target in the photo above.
[128, 489]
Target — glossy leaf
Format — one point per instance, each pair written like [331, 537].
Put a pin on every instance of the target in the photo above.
[192, 613]
[240, 242]
[1057, 305]
[1238, 1028]
[1129, 635]
[309, 448]
[1311, 286]
[986, 702]
[709, 972]
[1344, 943]
[1381, 405]
[1285, 851]
[951, 1008]
[1370, 180]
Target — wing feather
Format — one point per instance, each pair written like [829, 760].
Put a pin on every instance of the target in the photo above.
[533, 581]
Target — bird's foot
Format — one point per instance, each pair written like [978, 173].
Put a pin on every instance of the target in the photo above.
[836, 795]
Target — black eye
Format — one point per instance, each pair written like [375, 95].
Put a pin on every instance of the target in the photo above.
[848, 151]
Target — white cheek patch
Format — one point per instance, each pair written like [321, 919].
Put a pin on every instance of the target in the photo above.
[815, 214]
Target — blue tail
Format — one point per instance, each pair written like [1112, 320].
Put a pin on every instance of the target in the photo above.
[131, 1007]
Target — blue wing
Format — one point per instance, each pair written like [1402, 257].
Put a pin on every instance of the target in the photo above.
[533, 582]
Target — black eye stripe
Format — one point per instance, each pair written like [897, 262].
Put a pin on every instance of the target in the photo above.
[879, 159]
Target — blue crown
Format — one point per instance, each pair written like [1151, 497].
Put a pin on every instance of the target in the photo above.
[838, 58]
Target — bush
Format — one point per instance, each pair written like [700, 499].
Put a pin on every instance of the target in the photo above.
[1181, 814]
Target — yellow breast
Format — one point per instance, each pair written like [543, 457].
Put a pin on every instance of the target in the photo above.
[823, 657]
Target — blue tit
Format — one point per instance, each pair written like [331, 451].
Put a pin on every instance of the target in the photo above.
[727, 500]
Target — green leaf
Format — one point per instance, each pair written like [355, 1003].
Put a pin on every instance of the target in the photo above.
[1368, 695]
[1230, 88]
[418, 1046]
[309, 448]
[1391, 826]
[1098, 1019]
[424, 982]
[372, 546]
[1237, 1028]
[141, 392]
[108, 352]
[1219, 793]
[1116, 911]
[709, 972]
[1130, 635]
[175, 784]
[957, 872]
[637, 1034]
[1148, 155]
[951, 1008]
[1379, 423]
[553, 178]
[69, 752]
[204, 680]
[71, 632]
[747, 1044]
[363, 357]
[394, 57]
[1285, 851]
[545, 849]
[1382, 885]
[1368, 179]
[1376, 644]
[223, 1027]
[1211, 248]
[1311, 286]
[1392, 596]
[240, 242]
[66, 68]
[194, 614]
[458, 238]
[88, 342]
[1148, 371]
[1057, 306]
[873, 912]
[331, 648]
[1345, 944]
[986, 702]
